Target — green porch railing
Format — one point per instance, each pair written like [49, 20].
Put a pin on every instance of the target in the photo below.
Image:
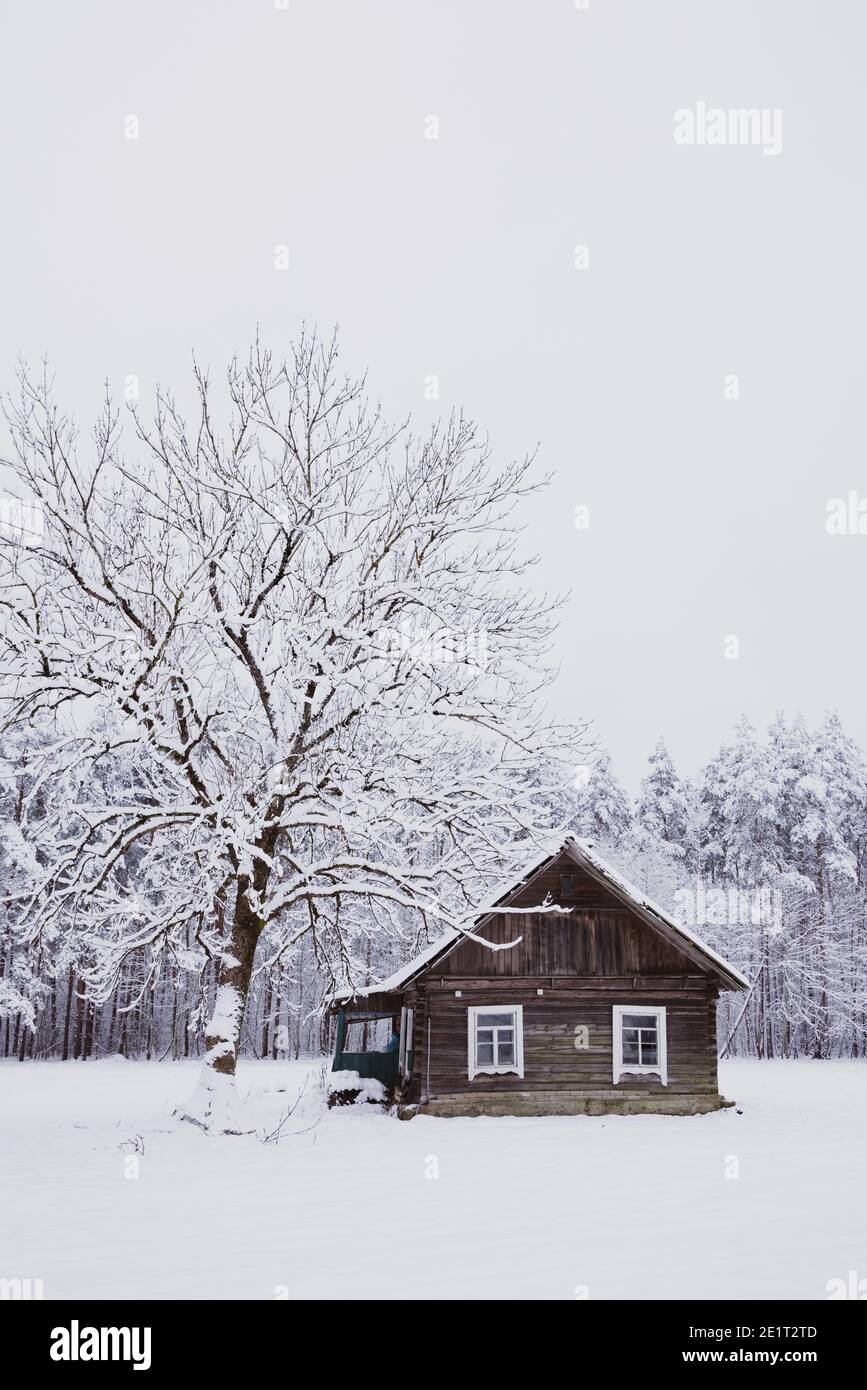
[381, 1065]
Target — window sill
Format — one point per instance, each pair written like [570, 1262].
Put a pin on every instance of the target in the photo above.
[495, 1071]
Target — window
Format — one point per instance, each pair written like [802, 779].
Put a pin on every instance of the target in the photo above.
[370, 1034]
[496, 1040]
[567, 886]
[639, 1042]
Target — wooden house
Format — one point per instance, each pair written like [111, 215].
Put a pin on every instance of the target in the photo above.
[595, 1000]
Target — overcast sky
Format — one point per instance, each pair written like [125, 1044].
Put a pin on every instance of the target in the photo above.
[309, 128]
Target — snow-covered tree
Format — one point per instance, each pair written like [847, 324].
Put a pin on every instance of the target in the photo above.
[664, 809]
[739, 796]
[287, 678]
[601, 808]
[20, 984]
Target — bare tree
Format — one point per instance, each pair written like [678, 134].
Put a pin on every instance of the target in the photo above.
[286, 678]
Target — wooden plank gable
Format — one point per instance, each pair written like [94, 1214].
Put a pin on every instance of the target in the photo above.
[598, 936]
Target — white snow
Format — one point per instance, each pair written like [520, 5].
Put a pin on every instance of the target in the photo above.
[340, 1204]
[368, 1087]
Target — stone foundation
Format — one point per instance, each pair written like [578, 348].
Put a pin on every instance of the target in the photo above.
[565, 1103]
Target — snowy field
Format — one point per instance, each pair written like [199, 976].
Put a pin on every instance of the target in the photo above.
[343, 1205]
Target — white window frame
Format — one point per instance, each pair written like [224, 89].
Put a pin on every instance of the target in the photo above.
[622, 1068]
[513, 1069]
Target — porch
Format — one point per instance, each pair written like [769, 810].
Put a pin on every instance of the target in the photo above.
[374, 1039]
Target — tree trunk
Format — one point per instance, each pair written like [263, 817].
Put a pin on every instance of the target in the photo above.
[151, 1004]
[68, 1016]
[112, 1018]
[80, 1006]
[276, 1034]
[52, 1016]
[123, 1039]
[174, 1025]
[821, 1046]
[89, 1026]
[214, 1104]
[266, 1011]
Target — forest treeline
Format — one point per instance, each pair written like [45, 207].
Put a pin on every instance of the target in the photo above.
[765, 851]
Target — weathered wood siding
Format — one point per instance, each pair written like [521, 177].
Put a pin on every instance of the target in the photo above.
[551, 1059]
[596, 941]
[599, 936]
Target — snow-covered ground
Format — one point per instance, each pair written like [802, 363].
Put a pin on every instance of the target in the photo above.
[345, 1205]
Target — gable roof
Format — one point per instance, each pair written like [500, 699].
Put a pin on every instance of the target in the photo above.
[672, 928]
[584, 854]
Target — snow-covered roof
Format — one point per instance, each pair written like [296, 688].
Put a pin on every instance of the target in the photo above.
[587, 857]
[406, 972]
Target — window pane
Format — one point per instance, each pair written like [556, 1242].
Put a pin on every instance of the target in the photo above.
[504, 1019]
[485, 1054]
[485, 1035]
[506, 1054]
[630, 1051]
[648, 1053]
[367, 1035]
[639, 1021]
